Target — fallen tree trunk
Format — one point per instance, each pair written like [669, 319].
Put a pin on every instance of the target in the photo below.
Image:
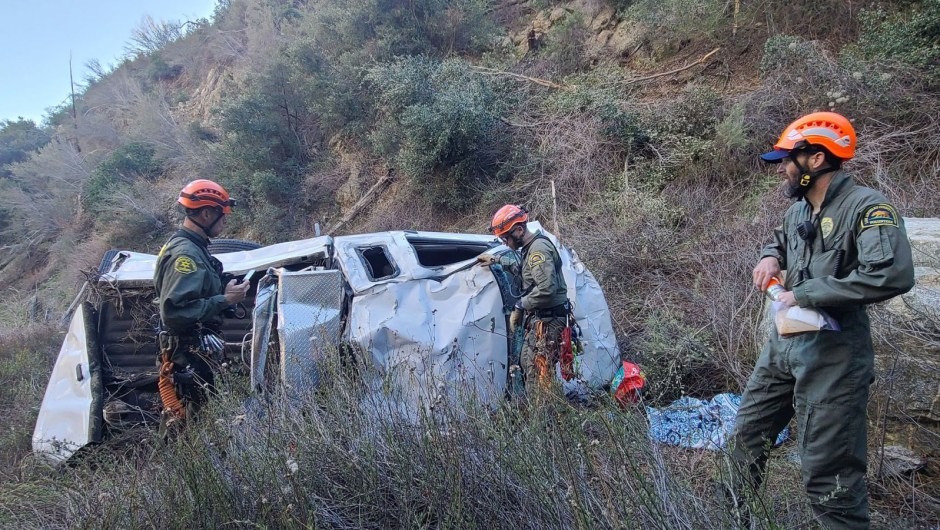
[366, 199]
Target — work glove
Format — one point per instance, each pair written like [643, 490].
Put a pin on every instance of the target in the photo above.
[515, 319]
[486, 259]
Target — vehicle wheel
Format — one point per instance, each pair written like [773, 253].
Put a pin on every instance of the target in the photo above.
[221, 246]
[106, 260]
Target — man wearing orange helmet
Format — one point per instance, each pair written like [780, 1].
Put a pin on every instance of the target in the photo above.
[543, 305]
[191, 296]
[843, 247]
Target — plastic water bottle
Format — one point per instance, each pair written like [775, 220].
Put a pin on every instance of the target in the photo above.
[774, 289]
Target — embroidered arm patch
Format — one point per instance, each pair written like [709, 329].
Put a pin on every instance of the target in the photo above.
[184, 265]
[536, 258]
[879, 215]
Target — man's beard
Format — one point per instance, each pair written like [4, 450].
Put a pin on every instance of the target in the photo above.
[794, 192]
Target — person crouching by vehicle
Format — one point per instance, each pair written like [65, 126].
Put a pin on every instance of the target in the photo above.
[543, 307]
[192, 299]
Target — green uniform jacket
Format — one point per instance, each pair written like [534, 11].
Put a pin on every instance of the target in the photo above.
[189, 287]
[543, 283]
[860, 254]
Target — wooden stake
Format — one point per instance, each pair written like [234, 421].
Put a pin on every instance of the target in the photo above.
[555, 212]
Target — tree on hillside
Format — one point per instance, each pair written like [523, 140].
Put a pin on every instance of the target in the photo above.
[18, 139]
[151, 36]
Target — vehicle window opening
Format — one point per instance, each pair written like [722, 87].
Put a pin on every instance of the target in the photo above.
[379, 265]
[433, 253]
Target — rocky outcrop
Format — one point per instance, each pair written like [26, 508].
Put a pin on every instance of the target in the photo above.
[610, 36]
[907, 332]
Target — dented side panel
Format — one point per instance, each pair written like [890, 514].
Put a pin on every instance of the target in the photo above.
[65, 421]
[435, 340]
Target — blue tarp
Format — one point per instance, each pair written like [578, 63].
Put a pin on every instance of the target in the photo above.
[698, 424]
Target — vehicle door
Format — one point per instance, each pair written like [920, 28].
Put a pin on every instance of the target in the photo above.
[70, 415]
[432, 332]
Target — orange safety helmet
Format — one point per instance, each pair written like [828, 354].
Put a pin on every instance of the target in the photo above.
[507, 217]
[827, 129]
[202, 193]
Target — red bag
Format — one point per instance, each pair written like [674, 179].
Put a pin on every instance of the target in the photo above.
[628, 384]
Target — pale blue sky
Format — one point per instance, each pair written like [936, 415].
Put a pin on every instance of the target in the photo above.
[36, 37]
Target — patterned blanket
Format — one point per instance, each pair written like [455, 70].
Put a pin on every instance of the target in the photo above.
[698, 424]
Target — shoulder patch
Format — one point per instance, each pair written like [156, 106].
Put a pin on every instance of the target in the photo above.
[184, 265]
[879, 215]
[536, 258]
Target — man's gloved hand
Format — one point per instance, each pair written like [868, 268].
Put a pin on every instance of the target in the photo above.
[486, 259]
[515, 319]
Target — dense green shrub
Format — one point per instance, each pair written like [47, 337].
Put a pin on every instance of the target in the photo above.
[274, 188]
[387, 28]
[910, 37]
[18, 139]
[565, 45]
[127, 163]
[440, 122]
[666, 24]
[599, 94]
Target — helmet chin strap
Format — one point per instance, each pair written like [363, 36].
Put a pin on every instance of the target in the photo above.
[208, 229]
[807, 178]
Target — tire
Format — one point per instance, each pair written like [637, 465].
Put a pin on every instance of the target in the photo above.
[106, 260]
[222, 246]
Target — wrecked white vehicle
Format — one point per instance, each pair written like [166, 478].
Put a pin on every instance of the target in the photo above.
[414, 305]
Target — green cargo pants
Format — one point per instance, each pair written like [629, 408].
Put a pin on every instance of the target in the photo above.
[822, 378]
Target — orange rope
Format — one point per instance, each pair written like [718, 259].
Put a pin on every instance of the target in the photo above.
[171, 402]
[540, 361]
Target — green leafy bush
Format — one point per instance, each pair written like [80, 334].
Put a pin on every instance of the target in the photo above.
[910, 37]
[599, 94]
[273, 187]
[18, 139]
[440, 121]
[127, 163]
[565, 45]
[668, 23]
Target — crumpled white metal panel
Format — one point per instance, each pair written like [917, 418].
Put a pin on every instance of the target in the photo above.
[435, 340]
[262, 322]
[139, 267]
[64, 421]
[309, 304]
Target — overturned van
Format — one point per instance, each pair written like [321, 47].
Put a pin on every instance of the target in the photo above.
[413, 305]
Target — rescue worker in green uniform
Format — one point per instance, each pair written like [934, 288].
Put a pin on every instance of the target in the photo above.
[191, 296]
[843, 247]
[543, 307]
